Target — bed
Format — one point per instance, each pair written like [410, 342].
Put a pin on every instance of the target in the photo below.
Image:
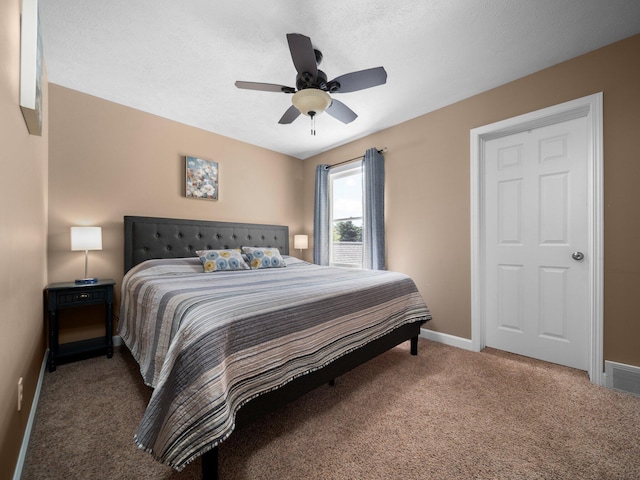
[221, 349]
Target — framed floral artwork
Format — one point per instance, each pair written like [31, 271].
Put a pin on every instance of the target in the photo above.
[201, 178]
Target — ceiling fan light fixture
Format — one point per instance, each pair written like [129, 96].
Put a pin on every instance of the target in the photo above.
[311, 100]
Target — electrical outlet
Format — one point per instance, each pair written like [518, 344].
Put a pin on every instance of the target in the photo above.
[20, 394]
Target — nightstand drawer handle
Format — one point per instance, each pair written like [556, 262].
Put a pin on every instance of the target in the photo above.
[83, 296]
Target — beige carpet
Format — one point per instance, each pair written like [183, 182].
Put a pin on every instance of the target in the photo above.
[445, 414]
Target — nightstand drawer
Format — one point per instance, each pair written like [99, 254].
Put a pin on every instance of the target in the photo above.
[83, 296]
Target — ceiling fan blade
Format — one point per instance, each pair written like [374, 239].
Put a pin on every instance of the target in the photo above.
[354, 81]
[302, 54]
[290, 115]
[339, 110]
[265, 87]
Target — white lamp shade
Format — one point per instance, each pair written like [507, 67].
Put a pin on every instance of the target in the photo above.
[300, 241]
[86, 238]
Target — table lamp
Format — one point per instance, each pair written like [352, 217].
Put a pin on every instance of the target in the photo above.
[86, 238]
[301, 242]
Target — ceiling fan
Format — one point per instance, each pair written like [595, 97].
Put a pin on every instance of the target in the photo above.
[311, 94]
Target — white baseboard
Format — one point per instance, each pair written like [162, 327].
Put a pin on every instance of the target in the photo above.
[17, 473]
[447, 339]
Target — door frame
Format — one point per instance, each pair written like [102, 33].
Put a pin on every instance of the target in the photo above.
[591, 108]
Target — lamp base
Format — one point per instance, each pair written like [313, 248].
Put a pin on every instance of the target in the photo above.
[86, 281]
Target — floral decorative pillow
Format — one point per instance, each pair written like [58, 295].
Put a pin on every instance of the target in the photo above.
[244, 255]
[217, 260]
[264, 257]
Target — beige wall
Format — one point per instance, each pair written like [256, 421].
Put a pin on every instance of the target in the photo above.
[428, 200]
[23, 229]
[107, 161]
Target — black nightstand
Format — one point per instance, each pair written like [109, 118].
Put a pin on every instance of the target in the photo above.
[72, 295]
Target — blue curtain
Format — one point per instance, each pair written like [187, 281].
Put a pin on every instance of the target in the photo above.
[373, 193]
[321, 217]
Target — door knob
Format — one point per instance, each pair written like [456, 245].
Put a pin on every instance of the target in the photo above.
[577, 256]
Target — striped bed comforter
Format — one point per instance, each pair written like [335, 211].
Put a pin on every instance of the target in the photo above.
[210, 342]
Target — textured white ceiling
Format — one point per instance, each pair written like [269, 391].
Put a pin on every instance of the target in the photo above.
[180, 60]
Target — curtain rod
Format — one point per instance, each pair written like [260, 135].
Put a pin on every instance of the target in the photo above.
[380, 150]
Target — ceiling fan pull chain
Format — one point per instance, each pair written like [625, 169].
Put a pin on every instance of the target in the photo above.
[313, 123]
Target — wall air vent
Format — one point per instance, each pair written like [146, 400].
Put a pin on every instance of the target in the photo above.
[625, 378]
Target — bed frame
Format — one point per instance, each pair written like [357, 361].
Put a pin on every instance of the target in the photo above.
[151, 237]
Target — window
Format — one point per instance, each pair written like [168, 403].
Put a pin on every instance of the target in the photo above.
[346, 212]
[350, 193]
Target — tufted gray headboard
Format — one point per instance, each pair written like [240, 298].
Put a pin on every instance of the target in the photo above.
[152, 237]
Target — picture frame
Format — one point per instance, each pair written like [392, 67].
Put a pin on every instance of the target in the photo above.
[31, 67]
[201, 178]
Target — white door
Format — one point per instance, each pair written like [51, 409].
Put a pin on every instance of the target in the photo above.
[536, 294]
